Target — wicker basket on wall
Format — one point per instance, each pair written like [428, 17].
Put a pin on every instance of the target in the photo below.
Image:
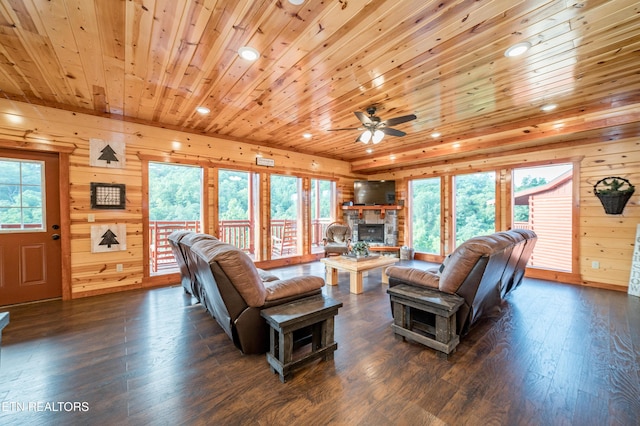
[613, 192]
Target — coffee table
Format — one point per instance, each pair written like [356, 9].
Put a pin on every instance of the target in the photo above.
[355, 267]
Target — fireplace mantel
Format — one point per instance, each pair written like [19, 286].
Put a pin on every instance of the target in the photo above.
[383, 209]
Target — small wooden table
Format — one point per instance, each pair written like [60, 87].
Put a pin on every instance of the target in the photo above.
[441, 336]
[283, 320]
[355, 267]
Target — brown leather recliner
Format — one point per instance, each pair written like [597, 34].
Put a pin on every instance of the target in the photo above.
[181, 242]
[482, 270]
[234, 291]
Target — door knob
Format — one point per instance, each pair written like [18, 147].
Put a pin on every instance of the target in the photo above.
[55, 237]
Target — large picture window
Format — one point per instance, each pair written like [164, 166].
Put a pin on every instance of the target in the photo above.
[475, 210]
[322, 207]
[285, 208]
[175, 203]
[236, 211]
[425, 208]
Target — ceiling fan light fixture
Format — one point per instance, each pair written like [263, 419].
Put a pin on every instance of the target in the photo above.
[517, 49]
[248, 53]
[378, 135]
[365, 137]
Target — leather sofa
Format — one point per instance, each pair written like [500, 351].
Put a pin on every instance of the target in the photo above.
[226, 282]
[482, 270]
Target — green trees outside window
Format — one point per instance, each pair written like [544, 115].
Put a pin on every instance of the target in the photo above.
[425, 215]
[175, 192]
[21, 194]
[475, 209]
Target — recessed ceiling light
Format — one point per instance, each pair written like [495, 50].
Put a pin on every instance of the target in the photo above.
[307, 135]
[369, 150]
[392, 157]
[548, 107]
[296, 2]
[517, 49]
[436, 135]
[203, 110]
[456, 145]
[248, 53]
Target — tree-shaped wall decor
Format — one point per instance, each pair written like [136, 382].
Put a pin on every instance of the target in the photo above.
[106, 154]
[107, 238]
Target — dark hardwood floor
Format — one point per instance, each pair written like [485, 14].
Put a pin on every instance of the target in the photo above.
[557, 355]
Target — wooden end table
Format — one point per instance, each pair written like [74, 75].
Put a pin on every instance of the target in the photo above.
[355, 267]
[440, 336]
[315, 311]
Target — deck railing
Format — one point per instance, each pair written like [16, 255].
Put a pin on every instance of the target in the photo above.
[238, 233]
[159, 230]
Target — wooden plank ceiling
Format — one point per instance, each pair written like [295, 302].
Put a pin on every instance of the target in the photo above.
[155, 61]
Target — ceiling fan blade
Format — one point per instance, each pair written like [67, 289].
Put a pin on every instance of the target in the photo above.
[363, 118]
[392, 132]
[398, 120]
[346, 128]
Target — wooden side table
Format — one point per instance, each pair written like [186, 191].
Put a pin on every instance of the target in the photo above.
[318, 312]
[440, 336]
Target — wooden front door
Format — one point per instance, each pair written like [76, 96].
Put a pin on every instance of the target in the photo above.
[30, 259]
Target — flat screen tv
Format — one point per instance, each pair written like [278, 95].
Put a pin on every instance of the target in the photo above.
[374, 192]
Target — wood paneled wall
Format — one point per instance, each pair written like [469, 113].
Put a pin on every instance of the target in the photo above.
[607, 239]
[603, 238]
[24, 126]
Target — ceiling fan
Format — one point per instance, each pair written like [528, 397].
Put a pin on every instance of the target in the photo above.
[375, 128]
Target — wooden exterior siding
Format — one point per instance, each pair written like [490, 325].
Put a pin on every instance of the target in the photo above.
[550, 216]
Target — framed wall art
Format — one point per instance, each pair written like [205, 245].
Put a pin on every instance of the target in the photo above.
[108, 195]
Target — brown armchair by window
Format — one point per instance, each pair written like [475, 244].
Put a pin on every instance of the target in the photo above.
[337, 239]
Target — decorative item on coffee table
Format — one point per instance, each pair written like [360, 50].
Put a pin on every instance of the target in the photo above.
[360, 249]
[614, 193]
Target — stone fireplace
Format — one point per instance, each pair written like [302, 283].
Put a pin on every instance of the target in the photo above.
[389, 222]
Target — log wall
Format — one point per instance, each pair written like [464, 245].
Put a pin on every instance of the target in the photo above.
[599, 237]
[607, 239]
[24, 126]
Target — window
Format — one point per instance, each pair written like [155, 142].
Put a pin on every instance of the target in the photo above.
[21, 195]
[322, 210]
[543, 203]
[236, 213]
[425, 215]
[284, 215]
[175, 203]
[475, 212]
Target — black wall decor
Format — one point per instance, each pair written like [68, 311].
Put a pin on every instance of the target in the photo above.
[108, 195]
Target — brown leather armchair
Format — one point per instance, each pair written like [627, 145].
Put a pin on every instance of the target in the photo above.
[337, 239]
[234, 291]
[482, 270]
